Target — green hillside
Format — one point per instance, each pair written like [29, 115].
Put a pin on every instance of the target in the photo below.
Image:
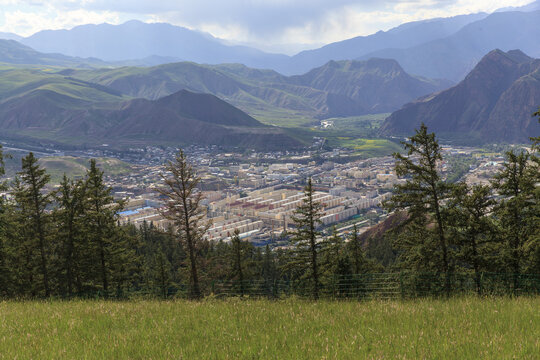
[13, 52]
[73, 167]
[337, 89]
[17, 82]
[83, 107]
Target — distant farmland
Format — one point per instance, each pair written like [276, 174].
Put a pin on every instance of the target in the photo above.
[459, 328]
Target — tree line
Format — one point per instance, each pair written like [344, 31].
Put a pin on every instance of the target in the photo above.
[68, 242]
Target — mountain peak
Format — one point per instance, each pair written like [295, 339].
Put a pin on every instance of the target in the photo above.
[387, 65]
[492, 103]
[516, 56]
[134, 22]
[519, 56]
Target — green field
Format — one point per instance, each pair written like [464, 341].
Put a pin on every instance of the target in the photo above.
[57, 166]
[460, 328]
[73, 167]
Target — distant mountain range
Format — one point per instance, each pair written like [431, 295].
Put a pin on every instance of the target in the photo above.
[454, 56]
[10, 36]
[131, 83]
[15, 53]
[61, 103]
[436, 48]
[401, 37]
[345, 88]
[493, 103]
[137, 40]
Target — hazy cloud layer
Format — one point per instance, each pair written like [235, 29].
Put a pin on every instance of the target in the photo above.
[265, 22]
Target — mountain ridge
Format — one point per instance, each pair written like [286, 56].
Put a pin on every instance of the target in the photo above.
[180, 118]
[454, 56]
[493, 103]
[342, 88]
[137, 40]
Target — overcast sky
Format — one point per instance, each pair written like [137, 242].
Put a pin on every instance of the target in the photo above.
[269, 24]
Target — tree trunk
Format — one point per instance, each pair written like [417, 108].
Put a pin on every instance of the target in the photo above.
[103, 268]
[195, 290]
[314, 269]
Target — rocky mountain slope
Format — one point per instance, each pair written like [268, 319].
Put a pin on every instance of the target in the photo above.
[454, 56]
[493, 103]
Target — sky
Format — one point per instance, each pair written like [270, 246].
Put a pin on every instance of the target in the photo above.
[272, 25]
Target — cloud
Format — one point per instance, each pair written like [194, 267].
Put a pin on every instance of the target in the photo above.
[262, 22]
[28, 22]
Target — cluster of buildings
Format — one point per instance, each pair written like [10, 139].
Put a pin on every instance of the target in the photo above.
[258, 196]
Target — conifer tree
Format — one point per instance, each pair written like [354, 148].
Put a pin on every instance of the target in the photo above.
[5, 271]
[331, 247]
[473, 230]
[356, 252]
[307, 218]
[69, 230]
[533, 244]
[157, 254]
[238, 255]
[423, 196]
[517, 211]
[32, 202]
[100, 226]
[185, 210]
[162, 272]
[536, 140]
[268, 269]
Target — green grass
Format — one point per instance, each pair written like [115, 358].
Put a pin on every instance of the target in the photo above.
[461, 328]
[363, 122]
[17, 82]
[57, 166]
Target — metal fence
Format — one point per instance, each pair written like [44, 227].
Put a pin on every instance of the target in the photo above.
[376, 286]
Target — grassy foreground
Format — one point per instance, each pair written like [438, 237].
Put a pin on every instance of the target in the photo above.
[464, 328]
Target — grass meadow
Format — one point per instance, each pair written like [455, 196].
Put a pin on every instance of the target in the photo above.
[460, 328]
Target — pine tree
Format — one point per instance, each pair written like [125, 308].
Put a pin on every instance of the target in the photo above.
[516, 212]
[185, 210]
[306, 219]
[269, 272]
[5, 272]
[100, 226]
[158, 255]
[124, 263]
[32, 202]
[533, 244]
[423, 196]
[69, 230]
[331, 247]
[472, 228]
[536, 140]
[356, 252]
[238, 255]
[162, 272]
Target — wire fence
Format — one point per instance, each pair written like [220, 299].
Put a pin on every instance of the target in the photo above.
[373, 286]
